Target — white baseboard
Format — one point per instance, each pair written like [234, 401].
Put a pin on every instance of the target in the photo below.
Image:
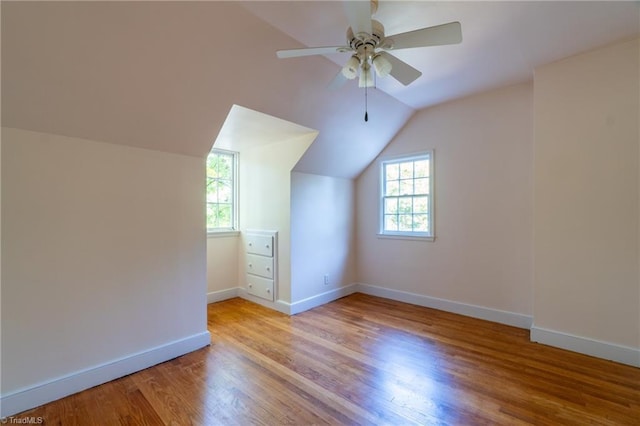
[321, 299]
[278, 305]
[220, 295]
[34, 396]
[583, 345]
[481, 312]
[301, 305]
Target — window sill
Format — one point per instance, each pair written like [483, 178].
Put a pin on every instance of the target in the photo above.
[222, 234]
[427, 239]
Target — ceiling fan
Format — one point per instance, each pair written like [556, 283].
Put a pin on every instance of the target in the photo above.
[370, 47]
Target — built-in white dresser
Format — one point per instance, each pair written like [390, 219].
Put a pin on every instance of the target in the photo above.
[261, 260]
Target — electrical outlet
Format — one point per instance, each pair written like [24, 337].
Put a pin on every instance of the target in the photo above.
[326, 280]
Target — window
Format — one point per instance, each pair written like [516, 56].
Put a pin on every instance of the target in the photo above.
[221, 191]
[406, 202]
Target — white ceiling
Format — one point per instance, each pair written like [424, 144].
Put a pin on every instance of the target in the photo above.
[502, 41]
[164, 75]
[246, 128]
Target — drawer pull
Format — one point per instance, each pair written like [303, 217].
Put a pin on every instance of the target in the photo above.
[250, 265]
[268, 290]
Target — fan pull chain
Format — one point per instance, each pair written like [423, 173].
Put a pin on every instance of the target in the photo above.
[366, 114]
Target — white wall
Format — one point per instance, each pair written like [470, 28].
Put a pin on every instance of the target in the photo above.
[322, 237]
[265, 201]
[222, 267]
[483, 208]
[586, 202]
[103, 268]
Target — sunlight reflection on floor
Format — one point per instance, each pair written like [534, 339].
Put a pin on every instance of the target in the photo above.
[409, 377]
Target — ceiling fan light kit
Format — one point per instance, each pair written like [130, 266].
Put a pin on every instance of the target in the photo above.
[350, 70]
[382, 65]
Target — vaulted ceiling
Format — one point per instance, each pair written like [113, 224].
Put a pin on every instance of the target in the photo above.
[502, 40]
[164, 75]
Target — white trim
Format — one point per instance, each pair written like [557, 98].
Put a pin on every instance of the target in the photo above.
[220, 295]
[426, 238]
[587, 346]
[321, 299]
[301, 305]
[382, 161]
[223, 234]
[42, 393]
[278, 305]
[503, 317]
[267, 232]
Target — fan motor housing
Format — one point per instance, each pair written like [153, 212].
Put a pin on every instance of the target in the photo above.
[364, 41]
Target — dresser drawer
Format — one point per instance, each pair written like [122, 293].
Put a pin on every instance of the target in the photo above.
[260, 265]
[259, 244]
[261, 287]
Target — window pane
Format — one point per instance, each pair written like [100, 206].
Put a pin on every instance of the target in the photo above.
[406, 187]
[211, 191]
[420, 223]
[421, 168]
[225, 192]
[392, 188]
[405, 205]
[405, 222]
[212, 161]
[390, 205]
[392, 171]
[224, 216]
[406, 170]
[421, 186]
[211, 215]
[225, 168]
[220, 166]
[420, 204]
[390, 223]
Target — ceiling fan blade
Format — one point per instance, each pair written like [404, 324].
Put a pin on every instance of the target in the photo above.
[308, 51]
[400, 70]
[338, 81]
[439, 35]
[359, 16]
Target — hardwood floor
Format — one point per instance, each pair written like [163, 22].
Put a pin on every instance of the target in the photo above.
[361, 360]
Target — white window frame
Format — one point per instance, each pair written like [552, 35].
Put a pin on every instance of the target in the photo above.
[219, 232]
[409, 235]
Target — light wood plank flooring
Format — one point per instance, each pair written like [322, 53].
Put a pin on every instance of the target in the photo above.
[361, 360]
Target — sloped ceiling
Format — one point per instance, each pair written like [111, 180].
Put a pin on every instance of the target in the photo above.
[164, 75]
[503, 41]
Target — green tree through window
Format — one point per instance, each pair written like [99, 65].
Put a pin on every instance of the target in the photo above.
[221, 191]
